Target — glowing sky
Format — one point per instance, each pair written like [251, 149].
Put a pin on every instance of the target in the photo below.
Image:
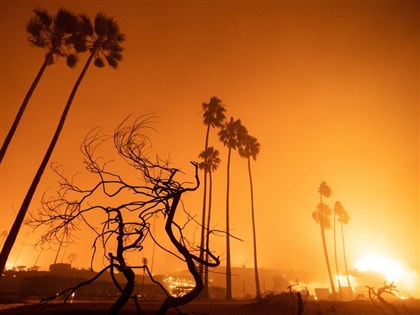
[330, 90]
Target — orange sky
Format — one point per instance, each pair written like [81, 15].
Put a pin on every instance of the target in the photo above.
[330, 90]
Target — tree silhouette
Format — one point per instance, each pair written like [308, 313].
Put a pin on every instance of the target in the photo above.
[72, 257]
[210, 164]
[322, 215]
[231, 135]
[250, 148]
[213, 117]
[56, 36]
[103, 40]
[343, 218]
[126, 208]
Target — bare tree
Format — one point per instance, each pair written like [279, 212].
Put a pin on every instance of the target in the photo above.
[125, 210]
[389, 289]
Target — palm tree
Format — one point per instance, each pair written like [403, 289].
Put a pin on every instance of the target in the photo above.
[210, 164]
[54, 35]
[250, 148]
[322, 217]
[343, 217]
[213, 116]
[72, 257]
[231, 135]
[103, 41]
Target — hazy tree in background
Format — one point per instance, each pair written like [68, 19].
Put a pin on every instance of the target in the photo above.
[72, 257]
[55, 34]
[213, 117]
[210, 164]
[250, 148]
[231, 135]
[343, 218]
[322, 215]
[103, 40]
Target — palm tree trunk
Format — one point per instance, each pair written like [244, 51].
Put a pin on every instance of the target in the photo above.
[203, 219]
[228, 267]
[327, 261]
[22, 108]
[206, 268]
[335, 255]
[324, 244]
[257, 278]
[11, 238]
[345, 256]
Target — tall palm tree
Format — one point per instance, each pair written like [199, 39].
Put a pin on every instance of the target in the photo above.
[210, 164]
[323, 217]
[213, 117]
[231, 135]
[250, 148]
[54, 35]
[343, 217]
[103, 40]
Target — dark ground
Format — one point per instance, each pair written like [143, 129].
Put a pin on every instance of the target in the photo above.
[272, 306]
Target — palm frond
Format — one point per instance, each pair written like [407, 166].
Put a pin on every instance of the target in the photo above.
[324, 189]
[120, 38]
[43, 17]
[249, 147]
[85, 25]
[72, 60]
[344, 218]
[324, 209]
[79, 42]
[211, 159]
[338, 208]
[99, 62]
[66, 22]
[315, 216]
[326, 223]
[232, 133]
[102, 24]
[111, 61]
[34, 26]
[213, 112]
